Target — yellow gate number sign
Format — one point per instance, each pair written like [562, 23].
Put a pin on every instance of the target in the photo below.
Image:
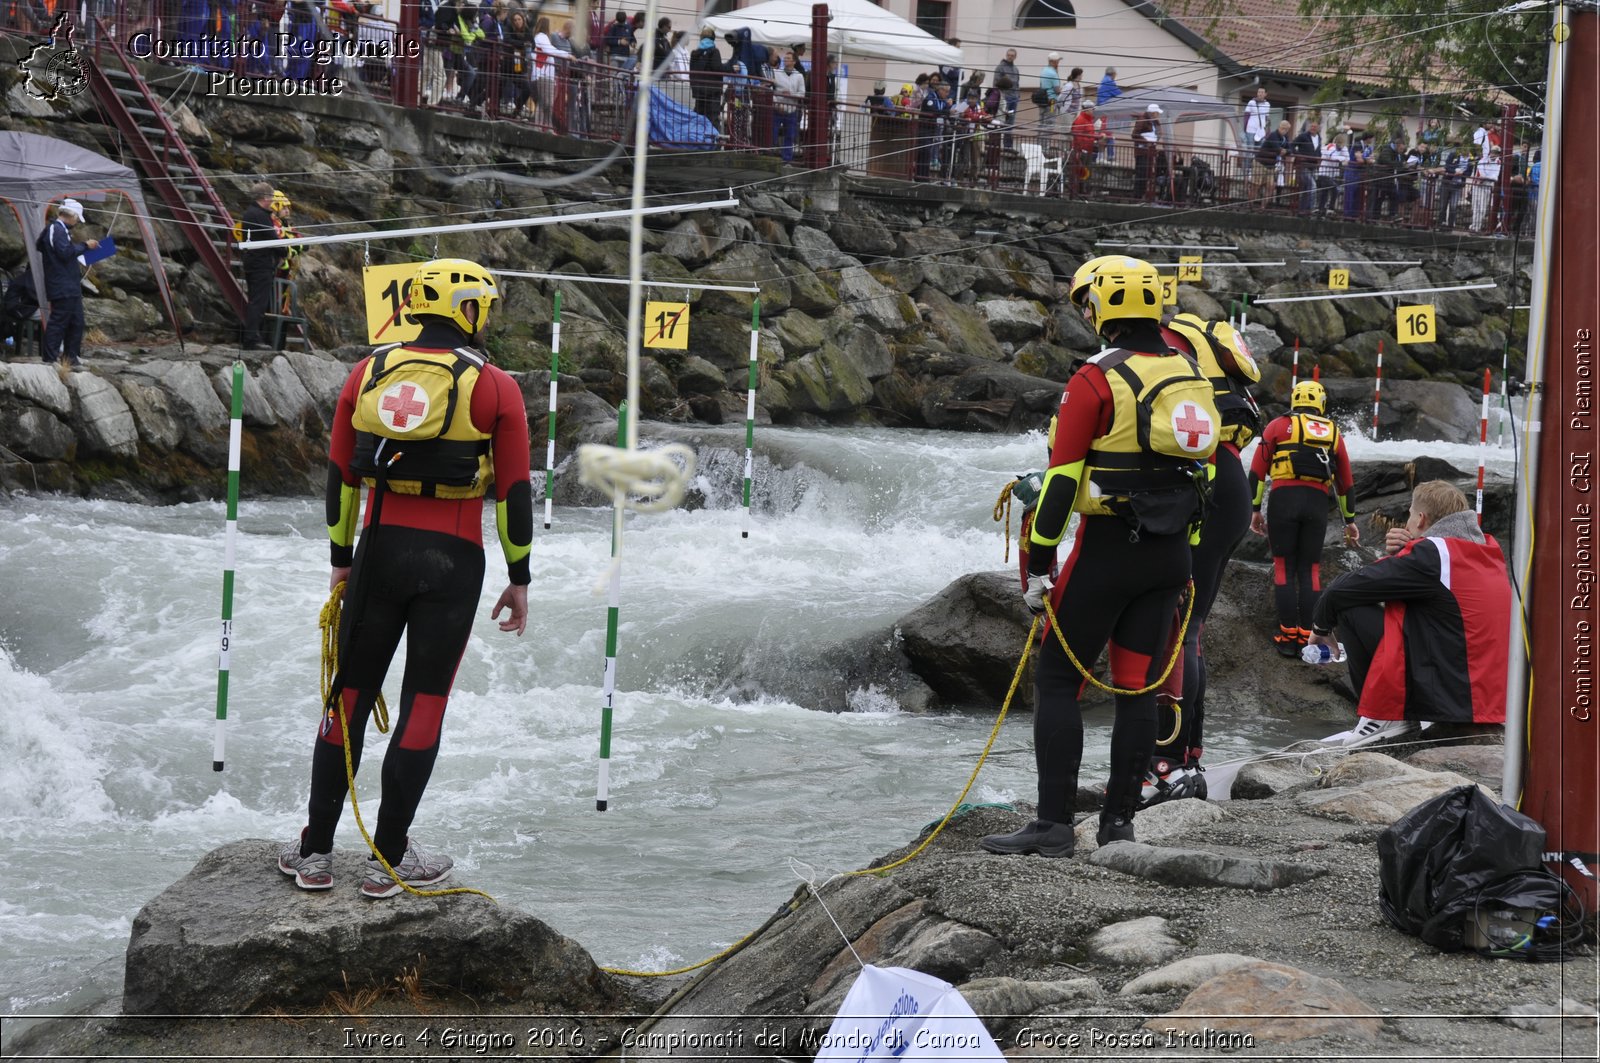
[385, 290]
[666, 325]
[1415, 324]
[1189, 267]
[1169, 290]
[1339, 279]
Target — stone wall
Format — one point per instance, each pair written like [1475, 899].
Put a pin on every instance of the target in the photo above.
[910, 306]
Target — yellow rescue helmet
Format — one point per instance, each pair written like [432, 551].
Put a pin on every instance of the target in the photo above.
[280, 201]
[1308, 394]
[442, 286]
[1080, 277]
[1124, 289]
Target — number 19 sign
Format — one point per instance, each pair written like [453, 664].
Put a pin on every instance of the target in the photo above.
[1415, 324]
[666, 325]
[385, 290]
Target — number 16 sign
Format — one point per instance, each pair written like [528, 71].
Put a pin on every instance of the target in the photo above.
[666, 325]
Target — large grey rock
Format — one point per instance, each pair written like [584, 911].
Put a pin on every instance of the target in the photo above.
[873, 303]
[256, 405]
[152, 414]
[987, 398]
[1134, 942]
[37, 384]
[1315, 321]
[1015, 996]
[826, 381]
[104, 422]
[868, 349]
[1186, 973]
[965, 642]
[235, 936]
[860, 233]
[1013, 320]
[291, 402]
[817, 252]
[1159, 822]
[798, 332]
[322, 378]
[1007, 269]
[1454, 308]
[193, 397]
[119, 319]
[1381, 801]
[962, 329]
[1271, 1002]
[1192, 300]
[1195, 867]
[37, 434]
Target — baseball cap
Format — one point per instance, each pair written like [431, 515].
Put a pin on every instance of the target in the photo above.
[1053, 55]
[72, 206]
[1154, 108]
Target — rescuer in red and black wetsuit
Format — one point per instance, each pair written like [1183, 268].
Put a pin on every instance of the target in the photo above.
[431, 427]
[1303, 454]
[1136, 427]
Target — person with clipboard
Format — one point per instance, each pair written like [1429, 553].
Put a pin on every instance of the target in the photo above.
[63, 284]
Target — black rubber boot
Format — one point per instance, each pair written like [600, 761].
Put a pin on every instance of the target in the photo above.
[1114, 827]
[1041, 836]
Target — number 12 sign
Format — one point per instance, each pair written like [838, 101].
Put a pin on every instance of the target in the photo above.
[1415, 324]
[666, 325]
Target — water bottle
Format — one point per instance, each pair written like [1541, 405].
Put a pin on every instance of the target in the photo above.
[1322, 654]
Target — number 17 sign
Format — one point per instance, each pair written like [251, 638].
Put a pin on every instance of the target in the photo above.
[666, 325]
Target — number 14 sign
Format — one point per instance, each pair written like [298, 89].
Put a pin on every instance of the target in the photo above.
[666, 325]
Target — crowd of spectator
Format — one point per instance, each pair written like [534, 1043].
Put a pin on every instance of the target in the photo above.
[1436, 178]
[507, 59]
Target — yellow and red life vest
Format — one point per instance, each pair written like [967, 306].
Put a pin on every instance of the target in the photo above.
[413, 423]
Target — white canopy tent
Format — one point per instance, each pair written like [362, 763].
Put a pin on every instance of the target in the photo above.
[855, 27]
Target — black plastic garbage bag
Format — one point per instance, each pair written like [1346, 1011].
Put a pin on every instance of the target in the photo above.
[1440, 861]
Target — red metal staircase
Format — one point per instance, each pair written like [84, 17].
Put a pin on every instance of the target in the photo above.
[166, 164]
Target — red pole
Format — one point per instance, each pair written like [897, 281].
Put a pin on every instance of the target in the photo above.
[817, 90]
[1316, 372]
[1294, 367]
[1564, 711]
[408, 61]
[1377, 390]
[1483, 442]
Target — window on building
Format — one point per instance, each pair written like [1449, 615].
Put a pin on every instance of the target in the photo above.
[722, 7]
[1039, 14]
[933, 17]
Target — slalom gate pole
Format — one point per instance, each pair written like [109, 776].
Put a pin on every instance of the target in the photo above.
[550, 439]
[1294, 367]
[608, 684]
[1483, 440]
[1377, 391]
[1316, 372]
[750, 412]
[1505, 401]
[1233, 311]
[1244, 311]
[235, 443]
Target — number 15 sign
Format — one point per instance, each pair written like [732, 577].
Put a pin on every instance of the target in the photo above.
[666, 325]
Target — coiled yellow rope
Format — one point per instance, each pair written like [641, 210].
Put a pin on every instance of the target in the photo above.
[1177, 649]
[1002, 511]
[329, 621]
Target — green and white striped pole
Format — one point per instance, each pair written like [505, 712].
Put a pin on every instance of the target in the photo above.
[750, 412]
[550, 443]
[1505, 399]
[235, 442]
[608, 684]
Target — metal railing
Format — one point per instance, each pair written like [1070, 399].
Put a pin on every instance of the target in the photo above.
[558, 93]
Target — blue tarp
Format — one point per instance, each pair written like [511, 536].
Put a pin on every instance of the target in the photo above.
[672, 125]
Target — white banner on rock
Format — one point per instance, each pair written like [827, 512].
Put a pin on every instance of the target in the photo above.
[892, 1013]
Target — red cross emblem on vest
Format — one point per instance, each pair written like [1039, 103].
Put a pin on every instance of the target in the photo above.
[402, 402]
[1316, 428]
[1191, 427]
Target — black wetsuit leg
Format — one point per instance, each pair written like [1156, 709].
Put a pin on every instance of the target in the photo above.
[1297, 523]
[1227, 521]
[1111, 589]
[424, 585]
[1359, 629]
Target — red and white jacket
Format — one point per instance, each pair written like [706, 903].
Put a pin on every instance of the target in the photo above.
[1446, 626]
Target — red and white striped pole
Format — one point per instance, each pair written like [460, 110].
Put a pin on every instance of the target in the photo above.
[1377, 392]
[1294, 368]
[1483, 441]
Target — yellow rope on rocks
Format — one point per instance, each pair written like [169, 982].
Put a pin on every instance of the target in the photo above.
[329, 621]
[1177, 649]
[794, 905]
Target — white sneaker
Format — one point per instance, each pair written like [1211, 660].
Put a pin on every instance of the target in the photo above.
[1368, 731]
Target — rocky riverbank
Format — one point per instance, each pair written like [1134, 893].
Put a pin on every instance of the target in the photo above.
[1248, 926]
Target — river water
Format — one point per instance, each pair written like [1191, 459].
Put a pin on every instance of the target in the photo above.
[108, 652]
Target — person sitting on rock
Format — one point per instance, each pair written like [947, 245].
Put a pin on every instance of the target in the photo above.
[1427, 629]
[1303, 454]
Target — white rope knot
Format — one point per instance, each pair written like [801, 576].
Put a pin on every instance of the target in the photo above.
[650, 481]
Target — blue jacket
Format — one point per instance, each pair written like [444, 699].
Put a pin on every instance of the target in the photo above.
[62, 278]
[1108, 90]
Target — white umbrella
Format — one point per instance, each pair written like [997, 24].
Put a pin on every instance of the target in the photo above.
[859, 27]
